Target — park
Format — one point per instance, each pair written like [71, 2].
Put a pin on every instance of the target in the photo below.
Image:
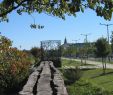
[56, 47]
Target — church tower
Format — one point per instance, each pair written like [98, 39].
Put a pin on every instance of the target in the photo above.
[65, 41]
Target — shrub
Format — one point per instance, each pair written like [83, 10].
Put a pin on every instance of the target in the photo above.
[72, 75]
[14, 65]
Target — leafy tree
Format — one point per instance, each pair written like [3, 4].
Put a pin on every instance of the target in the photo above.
[69, 51]
[59, 8]
[91, 49]
[112, 42]
[102, 50]
[36, 52]
[82, 53]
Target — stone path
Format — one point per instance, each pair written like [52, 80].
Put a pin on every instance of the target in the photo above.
[45, 80]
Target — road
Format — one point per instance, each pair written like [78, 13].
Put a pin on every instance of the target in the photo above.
[97, 64]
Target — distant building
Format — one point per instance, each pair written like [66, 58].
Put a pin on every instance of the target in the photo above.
[66, 45]
[65, 41]
[73, 48]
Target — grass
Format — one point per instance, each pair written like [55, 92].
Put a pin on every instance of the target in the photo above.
[74, 63]
[70, 63]
[94, 76]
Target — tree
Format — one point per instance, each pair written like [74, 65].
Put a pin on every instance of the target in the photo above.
[36, 52]
[102, 50]
[82, 53]
[112, 42]
[69, 51]
[59, 8]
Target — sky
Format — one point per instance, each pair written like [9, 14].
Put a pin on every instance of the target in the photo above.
[18, 28]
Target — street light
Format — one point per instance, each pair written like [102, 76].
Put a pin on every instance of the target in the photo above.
[107, 25]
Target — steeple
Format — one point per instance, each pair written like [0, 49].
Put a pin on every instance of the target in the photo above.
[65, 41]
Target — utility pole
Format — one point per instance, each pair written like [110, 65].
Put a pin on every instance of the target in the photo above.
[76, 45]
[86, 38]
[107, 25]
[86, 35]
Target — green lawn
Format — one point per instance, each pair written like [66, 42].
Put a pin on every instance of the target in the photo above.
[70, 63]
[95, 76]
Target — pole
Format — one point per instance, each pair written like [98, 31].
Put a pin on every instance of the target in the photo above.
[76, 45]
[86, 37]
[107, 25]
[108, 33]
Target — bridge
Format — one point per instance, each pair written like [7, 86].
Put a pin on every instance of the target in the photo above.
[45, 80]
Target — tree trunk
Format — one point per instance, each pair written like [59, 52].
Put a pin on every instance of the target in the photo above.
[81, 60]
[85, 60]
[103, 65]
[109, 59]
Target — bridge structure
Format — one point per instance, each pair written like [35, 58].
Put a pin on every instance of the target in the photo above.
[51, 51]
[45, 80]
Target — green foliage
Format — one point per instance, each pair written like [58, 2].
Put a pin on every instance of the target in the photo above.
[59, 8]
[69, 51]
[112, 42]
[71, 75]
[102, 48]
[69, 63]
[14, 65]
[36, 52]
[96, 77]
[83, 87]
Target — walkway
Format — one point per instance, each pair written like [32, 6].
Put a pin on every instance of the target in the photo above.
[45, 80]
[95, 63]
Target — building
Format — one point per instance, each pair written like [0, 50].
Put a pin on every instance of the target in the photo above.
[66, 45]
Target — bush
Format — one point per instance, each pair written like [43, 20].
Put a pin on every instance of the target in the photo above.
[14, 65]
[72, 75]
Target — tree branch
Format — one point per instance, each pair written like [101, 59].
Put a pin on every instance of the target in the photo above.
[13, 8]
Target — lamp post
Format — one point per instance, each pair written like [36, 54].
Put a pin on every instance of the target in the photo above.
[107, 25]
